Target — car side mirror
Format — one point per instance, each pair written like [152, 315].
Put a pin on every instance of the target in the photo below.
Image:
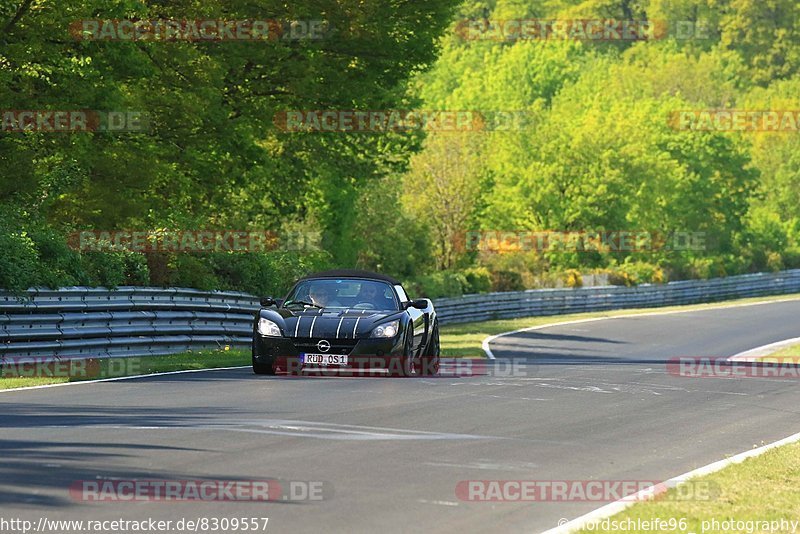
[419, 304]
[266, 302]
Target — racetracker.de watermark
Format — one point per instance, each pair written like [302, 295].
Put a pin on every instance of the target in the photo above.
[448, 367]
[198, 30]
[80, 368]
[72, 121]
[591, 30]
[160, 490]
[582, 490]
[735, 120]
[188, 241]
[150, 525]
[401, 120]
[502, 241]
[710, 367]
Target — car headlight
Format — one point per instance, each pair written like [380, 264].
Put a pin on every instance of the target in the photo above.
[268, 328]
[386, 330]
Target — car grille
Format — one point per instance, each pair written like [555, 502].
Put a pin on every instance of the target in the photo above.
[338, 346]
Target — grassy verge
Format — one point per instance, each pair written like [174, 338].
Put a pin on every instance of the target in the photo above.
[14, 383]
[118, 367]
[464, 340]
[790, 353]
[759, 489]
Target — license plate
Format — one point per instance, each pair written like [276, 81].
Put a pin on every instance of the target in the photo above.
[323, 359]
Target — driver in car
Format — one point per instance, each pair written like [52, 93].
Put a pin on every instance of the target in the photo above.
[320, 296]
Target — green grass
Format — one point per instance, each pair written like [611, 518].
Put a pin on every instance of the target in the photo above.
[118, 367]
[792, 352]
[764, 488]
[14, 383]
[464, 340]
[198, 360]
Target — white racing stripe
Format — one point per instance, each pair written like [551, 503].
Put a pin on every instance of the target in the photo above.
[341, 320]
[311, 332]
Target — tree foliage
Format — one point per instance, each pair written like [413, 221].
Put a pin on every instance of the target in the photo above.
[592, 150]
[599, 153]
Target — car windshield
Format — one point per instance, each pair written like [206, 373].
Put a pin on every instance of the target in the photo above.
[343, 293]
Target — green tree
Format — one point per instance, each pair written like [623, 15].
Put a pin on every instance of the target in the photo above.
[442, 188]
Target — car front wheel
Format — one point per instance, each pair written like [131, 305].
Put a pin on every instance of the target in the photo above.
[405, 366]
[429, 362]
[263, 368]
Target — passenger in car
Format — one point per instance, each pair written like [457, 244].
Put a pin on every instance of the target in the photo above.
[369, 295]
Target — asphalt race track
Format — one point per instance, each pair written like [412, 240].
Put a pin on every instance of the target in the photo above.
[591, 401]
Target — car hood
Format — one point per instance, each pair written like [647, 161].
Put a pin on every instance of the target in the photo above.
[329, 324]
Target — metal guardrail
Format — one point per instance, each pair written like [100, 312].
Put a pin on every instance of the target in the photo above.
[76, 322]
[563, 301]
[79, 322]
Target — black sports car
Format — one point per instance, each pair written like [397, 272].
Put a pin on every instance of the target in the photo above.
[346, 321]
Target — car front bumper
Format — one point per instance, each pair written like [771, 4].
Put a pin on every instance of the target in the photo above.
[370, 354]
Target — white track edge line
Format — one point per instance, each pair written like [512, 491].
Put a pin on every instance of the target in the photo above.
[641, 496]
[755, 354]
[118, 378]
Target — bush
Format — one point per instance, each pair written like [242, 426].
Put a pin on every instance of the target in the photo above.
[532, 267]
[573, 278]
[479, 280]
[265, 274]
[191, 271]
[635, 272]
[18, 262]
[643, 273]
[41, 256]
[791, 258]
[620, 278]
[775, 262]
[705, 268]
[736, 264]
[112, 269]
[58, 264]
[507, 281]
[441, 284]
